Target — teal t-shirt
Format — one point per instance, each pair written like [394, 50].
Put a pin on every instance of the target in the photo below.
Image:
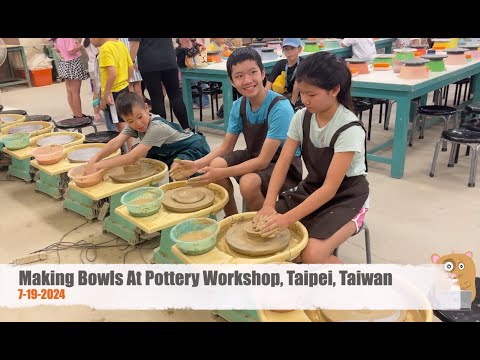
[278, 122]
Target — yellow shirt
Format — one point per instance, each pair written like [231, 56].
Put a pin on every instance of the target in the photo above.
[114, 53]
[214, 47]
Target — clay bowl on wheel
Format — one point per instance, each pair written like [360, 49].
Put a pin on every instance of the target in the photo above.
[49, 154]
[83, 181]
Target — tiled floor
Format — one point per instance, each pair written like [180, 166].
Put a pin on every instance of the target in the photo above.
[409, 218]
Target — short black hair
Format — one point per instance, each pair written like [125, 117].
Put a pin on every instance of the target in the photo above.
[126, 101]
[243, 54]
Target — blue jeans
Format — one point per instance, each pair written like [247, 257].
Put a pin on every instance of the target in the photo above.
[108, 121]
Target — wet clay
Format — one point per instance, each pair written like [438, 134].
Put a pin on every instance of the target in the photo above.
[56, 140]
[195, 235]
[245, 240]
[222, 245]
[131, 173]
[170, 203]
[188, 195]
[83, 155]
[25, 128]
[141, 201]
[366, 315]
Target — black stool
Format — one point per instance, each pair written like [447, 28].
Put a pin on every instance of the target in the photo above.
[75, 124]
[38, 118]
[459, 136]
[462, 316]
[1, 107]
[16, 112]
[360, 105]
[100, 137]
[104, 137]
[445, 112]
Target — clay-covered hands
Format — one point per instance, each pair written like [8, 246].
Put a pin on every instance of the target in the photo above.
[182, 169]
[270, 225]
[210, 174]
[91, 168]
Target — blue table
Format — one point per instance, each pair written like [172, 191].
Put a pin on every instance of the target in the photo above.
[218, 72]
[387, 85]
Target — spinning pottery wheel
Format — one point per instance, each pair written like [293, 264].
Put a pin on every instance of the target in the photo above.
[56, 140]
[131, 173]
[25, 128]
[83, 155]
[244, 239]
[188, 199]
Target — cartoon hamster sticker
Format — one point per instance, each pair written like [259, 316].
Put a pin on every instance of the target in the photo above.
[460, 267]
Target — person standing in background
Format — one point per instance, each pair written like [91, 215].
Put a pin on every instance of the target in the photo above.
[72, 71]
[158, 66]
[135, 82]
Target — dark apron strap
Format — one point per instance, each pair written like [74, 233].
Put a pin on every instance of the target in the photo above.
[345, 127]
[243, 106]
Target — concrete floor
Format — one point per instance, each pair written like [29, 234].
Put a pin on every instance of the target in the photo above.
[409, 218]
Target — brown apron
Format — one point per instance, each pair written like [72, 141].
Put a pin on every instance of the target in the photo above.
[347, 202]
[255, 135]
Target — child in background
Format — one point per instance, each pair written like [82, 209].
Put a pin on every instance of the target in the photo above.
[263, 117]
[116, 67]
[71, 69]
[218, 44]
[287, 69]
[189, 49]
[135, 82]
[94, 74]
[332, 200]
[159, 139]
[362, 48]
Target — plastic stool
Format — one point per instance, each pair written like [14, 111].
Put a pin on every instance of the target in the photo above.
[16, 112]
[457, 137]
[445, 112]
[38, 118]
[367, 243]
[75, 124]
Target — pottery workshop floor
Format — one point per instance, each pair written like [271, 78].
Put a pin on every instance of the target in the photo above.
[409, 218]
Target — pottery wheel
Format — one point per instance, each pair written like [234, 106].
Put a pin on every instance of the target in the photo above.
[173, 199]
[25, 128]
[244, 240]
[7, 119]
[365, 315]
[83, 155]
[131, 173]
[56, 140]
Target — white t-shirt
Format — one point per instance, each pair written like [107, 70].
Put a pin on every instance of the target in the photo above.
[362, 48]
[351, 139]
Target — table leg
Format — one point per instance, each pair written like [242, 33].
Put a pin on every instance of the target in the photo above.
[227, 101]
[400, 137]
[187, 99]
[25, 66]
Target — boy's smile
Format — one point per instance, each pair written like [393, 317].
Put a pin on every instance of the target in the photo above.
[139, 119]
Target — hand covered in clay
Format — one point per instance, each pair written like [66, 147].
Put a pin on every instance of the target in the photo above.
[210, 174]
[91, 168]
[276, 224]
[262, 216]
[182, 169]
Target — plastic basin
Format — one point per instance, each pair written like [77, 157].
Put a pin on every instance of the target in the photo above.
[49, 154]
[144, 201]
[16, 141]
[83, 181]
[195, 236]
